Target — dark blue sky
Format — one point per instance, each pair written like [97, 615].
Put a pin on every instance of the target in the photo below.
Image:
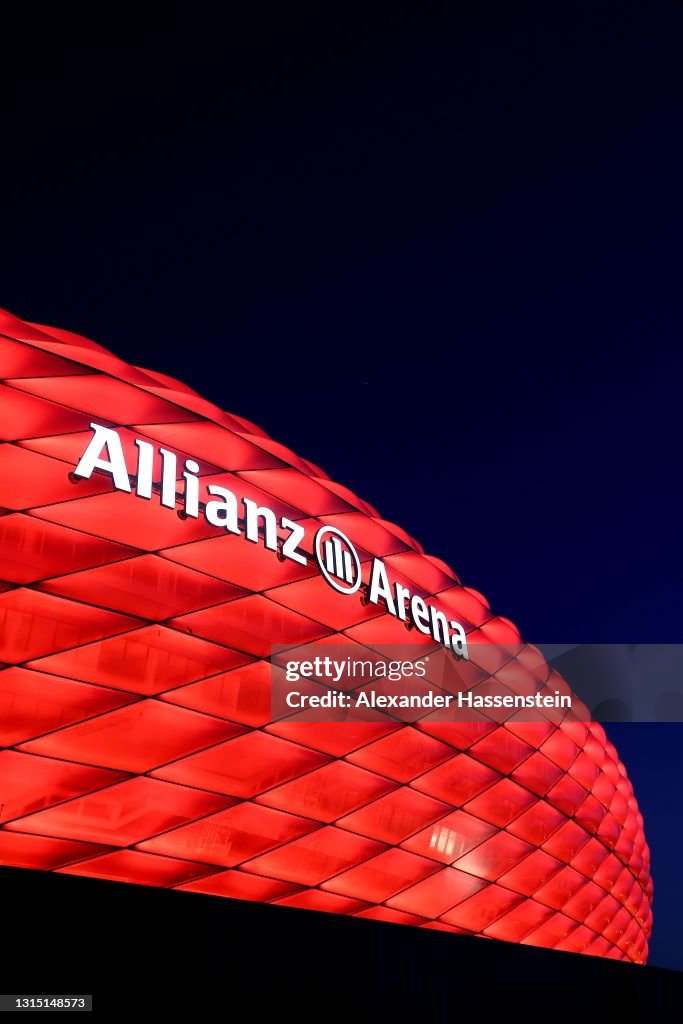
[475, 222]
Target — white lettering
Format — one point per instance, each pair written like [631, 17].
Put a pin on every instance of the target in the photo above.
[222, 513]
[191, 496]
[379, 586]
[114, 464]
[169, 471]
[143, 485]
[420, 613]
[254, 513]
[289, 548]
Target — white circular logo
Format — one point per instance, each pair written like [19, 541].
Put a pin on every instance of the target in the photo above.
[338, 560]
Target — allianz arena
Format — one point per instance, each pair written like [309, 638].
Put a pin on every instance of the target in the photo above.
[153, 550]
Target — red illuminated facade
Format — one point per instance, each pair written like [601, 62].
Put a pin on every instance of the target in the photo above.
[135, 722]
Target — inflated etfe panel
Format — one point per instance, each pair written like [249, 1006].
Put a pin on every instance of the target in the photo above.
[137, 622]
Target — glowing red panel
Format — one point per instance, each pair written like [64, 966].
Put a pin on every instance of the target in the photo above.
[428, 574]
[366, 532]
[623, 887]
[122, 814]
[223, 447]
[309, 495]
[609, 834]
[537, 773]
[461, 734]
[329, 792]
[584, 770]
[402, 755]
[27, 416]
[390, 916]
[326, 902]
[590, 814]
[279, 450]
[560, 888]
[466, 605]
[450, 837]
[37, 480]
[458, 780]
[531, 873]
[576, 731]
[146, 660]
[396, 816]
[439, 926]
[495, 856]
[31, 783]
[436, 894]
[239, 886]
[316, 598]
[253, 624]
[603, 913]
[601, 947]
[590, 857]
[139, 868]
[31, 549]
[242, 695]
[135, 738]
[533, 732]
[501, 803]
[32, 703]
[501, 750]
[482, 909]
[336, 738]
[616, 928]
[250, 566]
[567, 841]
[619, 808]
[385, 629]
[567, 795]
[584, 901]
[32, 624]
[230, 837]
[383, 876]
[608, 872]
[603, 790]
[551, 932]
[519, 921]
[25, 851]
[245, 766]
[316, 857]
[144, 525]
[105, 397]
[577, 941]
[147, 586]
[19, 360]
[537, 824]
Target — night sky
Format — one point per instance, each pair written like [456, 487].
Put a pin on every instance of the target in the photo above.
[438, 255]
